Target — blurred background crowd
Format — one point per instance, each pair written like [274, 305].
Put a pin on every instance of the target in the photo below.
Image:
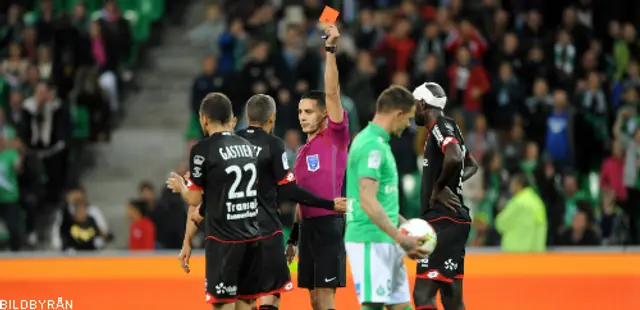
[545, 92]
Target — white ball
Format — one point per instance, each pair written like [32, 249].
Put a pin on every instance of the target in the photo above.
[420, 228]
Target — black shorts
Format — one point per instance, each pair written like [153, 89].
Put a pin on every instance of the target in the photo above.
[275, 277]
[447, 260]
[322, 258]
[232, 271]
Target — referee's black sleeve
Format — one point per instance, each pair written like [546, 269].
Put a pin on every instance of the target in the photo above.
[291, 191]
[287, 187]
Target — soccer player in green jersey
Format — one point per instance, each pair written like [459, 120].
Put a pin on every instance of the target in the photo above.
[373, 208]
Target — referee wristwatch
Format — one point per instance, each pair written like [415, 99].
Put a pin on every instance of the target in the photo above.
[331, 48]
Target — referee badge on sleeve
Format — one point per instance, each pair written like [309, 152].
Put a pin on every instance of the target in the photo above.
[313, 162]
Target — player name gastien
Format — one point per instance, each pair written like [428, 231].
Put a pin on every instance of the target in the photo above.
[239, 151]
[236, 211]
[39, 304]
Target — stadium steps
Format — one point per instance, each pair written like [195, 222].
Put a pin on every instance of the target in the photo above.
[150, 142]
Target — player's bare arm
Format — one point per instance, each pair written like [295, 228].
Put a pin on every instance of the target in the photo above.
[193, 221]
[453, 160]
[470, 167]
[369, 203]
[331, 80]
[401, 219]
[190, 232]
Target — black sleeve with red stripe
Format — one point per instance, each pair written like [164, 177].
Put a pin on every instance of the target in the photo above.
[444, 132]
[281, 170]
[292, 192]
[197, 164]
[287, 187]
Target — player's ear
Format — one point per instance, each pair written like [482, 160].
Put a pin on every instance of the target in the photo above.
[398, 113]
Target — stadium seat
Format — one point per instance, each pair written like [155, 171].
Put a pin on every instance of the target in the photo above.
[81, 122]
[4, 233]
[139, 25]
[5, 92]
[194, 131]
[68, 5]
[151, 10]
[58, 6]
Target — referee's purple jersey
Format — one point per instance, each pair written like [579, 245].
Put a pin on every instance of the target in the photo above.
[321, 164]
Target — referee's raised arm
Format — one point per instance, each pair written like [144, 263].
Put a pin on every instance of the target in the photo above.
[331, 79]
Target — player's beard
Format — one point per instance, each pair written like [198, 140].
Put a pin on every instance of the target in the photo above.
[204, 130]
[421, 110]
[419, 118]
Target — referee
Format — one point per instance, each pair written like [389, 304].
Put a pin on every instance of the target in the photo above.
[320, 168]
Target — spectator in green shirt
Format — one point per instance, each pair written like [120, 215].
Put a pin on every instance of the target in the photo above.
[10, 194]
[523, 221]
[529, 163]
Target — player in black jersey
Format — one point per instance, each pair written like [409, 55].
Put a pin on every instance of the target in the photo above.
[223, 176]
[276, 182]
[446, 165]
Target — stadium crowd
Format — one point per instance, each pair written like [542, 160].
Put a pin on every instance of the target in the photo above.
[547, 90]
[65, 67]
[546, 93]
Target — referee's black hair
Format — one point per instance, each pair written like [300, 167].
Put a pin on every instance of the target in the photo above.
[395, 97]
[259, 108]
[217, 108]
[319, 96]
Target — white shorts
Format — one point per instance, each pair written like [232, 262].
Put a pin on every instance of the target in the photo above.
[379, 273]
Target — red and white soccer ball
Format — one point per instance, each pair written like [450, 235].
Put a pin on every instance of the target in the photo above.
[420, 228]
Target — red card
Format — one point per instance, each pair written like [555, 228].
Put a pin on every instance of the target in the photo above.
[329, 15]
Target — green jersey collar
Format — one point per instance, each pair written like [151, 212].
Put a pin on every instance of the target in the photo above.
[380, 132]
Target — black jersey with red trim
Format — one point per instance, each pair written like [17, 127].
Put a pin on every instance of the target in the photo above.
[442, 132]
[224, 167]
[273, 171]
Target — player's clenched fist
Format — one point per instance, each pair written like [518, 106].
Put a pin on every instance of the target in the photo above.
[290, 253]
[332, 34]
[340, 205]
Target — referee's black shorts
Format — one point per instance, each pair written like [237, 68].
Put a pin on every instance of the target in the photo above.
[322, 258]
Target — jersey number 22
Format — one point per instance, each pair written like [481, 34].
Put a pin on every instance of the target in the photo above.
[239, 174]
